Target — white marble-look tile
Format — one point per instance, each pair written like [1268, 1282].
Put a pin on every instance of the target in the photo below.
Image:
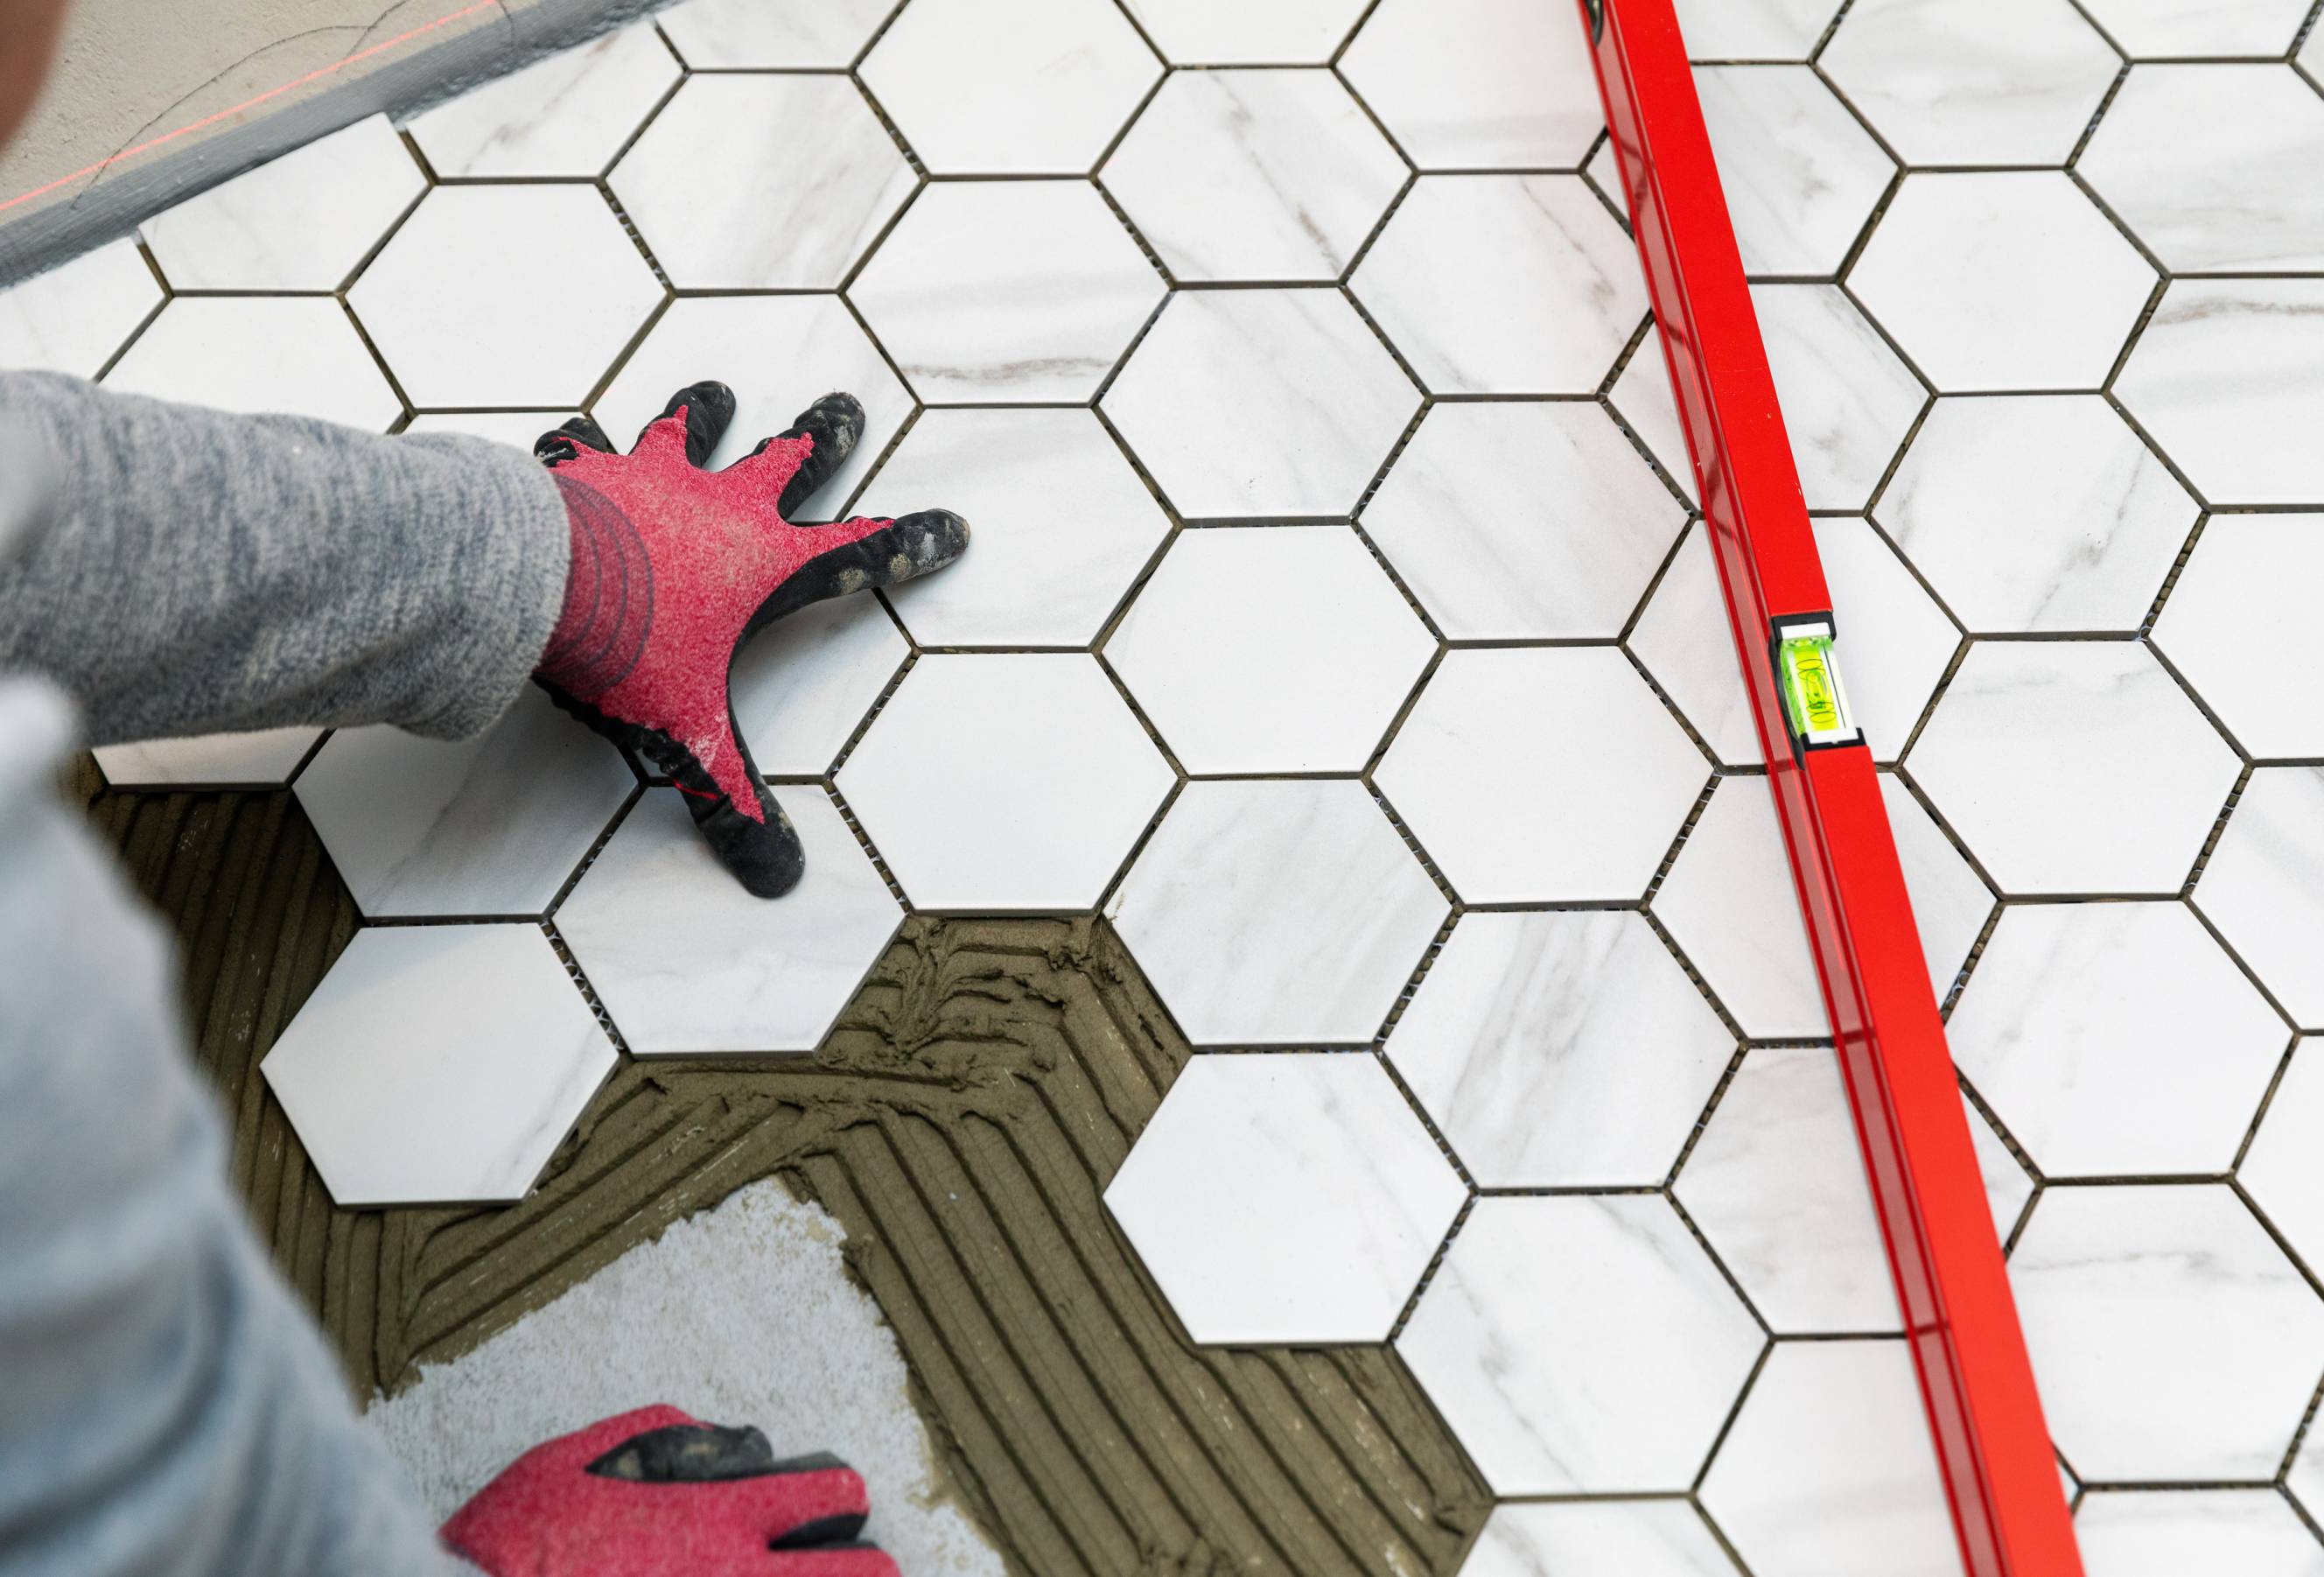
[1950, 902]
[1604, 175]
[520, 429]
[1254, 175]
[2170, 1337]
[1978, 82]
[684, 960]
[1683, 639]
[2007, 1186]
[1317, 403]
[301, 222]
[1539, 774]
[1560, 1050]
[73, 317]
[1894, 642]
[1271, 649]
[1291, 1197]
[2165, 1532]
[2283, 1170]
[2152, 29]
[1641, 396]
[491, 825]
[1503, 284]
[2037, 513]
[804, 683]
[1800, 175]
[999, 291]
[1753, 30]
[263, 759]
[751, 34]
[1477, 84]
[2241, 626]
[1009, 87]
[1848, 402]
[2080, 1028]
[2229, 376]
[1622, 1390]
[2264, 886]
[1063, 525]
[1829, 1471]
[568, 115]
[437, 1065]
[1730, 901]
[1231, 33]
[2073, 767]
[1278, 913]
[2212, 167]
[1602, 1538]
[1776, 1182]
[778, 354]
[456, 305]
[1525, 518]
[297, 354]
[1001, 782]
[822, 175]
[2002, 279]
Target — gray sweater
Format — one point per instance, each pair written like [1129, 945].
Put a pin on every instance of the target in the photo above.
[165, 1406]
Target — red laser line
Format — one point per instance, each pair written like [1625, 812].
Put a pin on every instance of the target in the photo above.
[317, 75]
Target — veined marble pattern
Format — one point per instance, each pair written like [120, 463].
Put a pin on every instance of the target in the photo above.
[2283, 1169]
[748, 34]
[568, 115]
[1714, 900]
[1682, 639]
[1894, 642]
[1641, 396]
[2264, 886]
[1950, 902]
[2152, 29]
[1477, 84]
[299, 354]
[1800, 174]
[1230, 33]
[2254, 1533]
[1848, 402]
[1754, 30]
[802, 686]
[2227, 378]
[74, 317]
[2240, 631]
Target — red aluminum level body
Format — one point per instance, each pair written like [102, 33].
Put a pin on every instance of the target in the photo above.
[1984, 1415]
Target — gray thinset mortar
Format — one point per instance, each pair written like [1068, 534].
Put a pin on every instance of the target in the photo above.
[960, 1125]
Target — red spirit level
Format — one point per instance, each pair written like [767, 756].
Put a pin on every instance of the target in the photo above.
[1991, 1442]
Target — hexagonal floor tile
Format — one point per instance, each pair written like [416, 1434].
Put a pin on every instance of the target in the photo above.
[778, 354]
[454, 302]
[1728, 900]
[301, 222]
[1950, 902]
[2172, 1337]
[685, 960]
[1503, 284]
[1641, 396]
[1477, 84]
[1254, 175]
[1754, 30]
[1271, 649]
[1278, 913]
[2227, 377]
[1827, 1470]
[438, 1065]
[2283, 1170]
[1801, 175]
[2002, 280]
[1227, 33]
[2148, 29]
[1683, 641]
[1637, 1538]
[1070, 77]
[2264, 886]
[2154, 1533]
[2075, 1025]
[1522, 520]
[824, 178]
[1317, 403]
[1078, 525]
[1848, 402]
[802, 686]
[492, 825]
[999, 291]
[568, 115]
[1560, 1050]
[2007, 1185]
[259, 759]
[2239, 628]
[2073, 767]
[2207, 164]
[73, 317]
[1003, 782]
[1625, 1389]
[1534, 774]
[1974, 81]
[1894, 642]
[1776, 1184]
[1285, 1198]
[2037, 513]
[750, 35]
[251, 353]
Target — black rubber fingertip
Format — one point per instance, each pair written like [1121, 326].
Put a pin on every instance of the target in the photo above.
[709, 408]
[946, 535]
[765, 856]
[569, 438]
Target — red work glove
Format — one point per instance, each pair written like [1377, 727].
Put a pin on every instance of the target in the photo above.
[673, 566]
[655, 1493]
